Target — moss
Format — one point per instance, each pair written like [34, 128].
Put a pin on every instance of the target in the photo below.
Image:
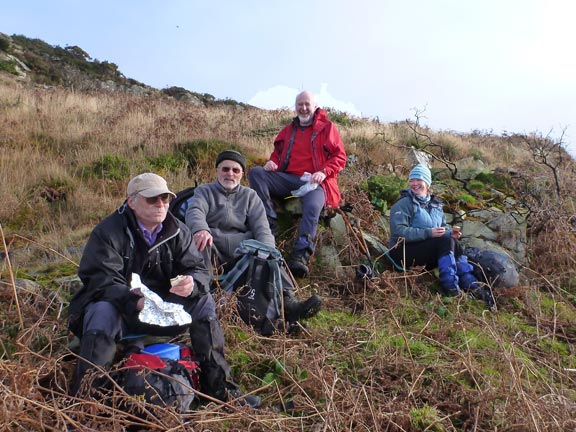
[328, 319]
[515, 323]
[475, 185]
[426, 418]
[383, 190]
[497, 180]
[466, 198]
[560, 347]
[557, 310]
[239, 359]
[413, 317]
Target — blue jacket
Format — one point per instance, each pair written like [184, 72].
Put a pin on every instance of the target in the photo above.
[413, 221]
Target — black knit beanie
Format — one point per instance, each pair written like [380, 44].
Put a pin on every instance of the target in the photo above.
[232, 155]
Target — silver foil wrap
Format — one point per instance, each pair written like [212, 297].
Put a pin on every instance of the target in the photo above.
[158, 312]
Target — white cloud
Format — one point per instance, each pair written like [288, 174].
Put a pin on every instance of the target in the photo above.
[325, 99]
[277, 97]
[281, 97]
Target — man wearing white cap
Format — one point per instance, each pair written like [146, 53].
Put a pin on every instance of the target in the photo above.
[142, 237]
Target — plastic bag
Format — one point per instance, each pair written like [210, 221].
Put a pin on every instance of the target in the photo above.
[306, 187]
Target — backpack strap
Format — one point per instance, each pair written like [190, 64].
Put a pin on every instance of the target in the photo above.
[277, 288]
[228, 280]
[289, 151]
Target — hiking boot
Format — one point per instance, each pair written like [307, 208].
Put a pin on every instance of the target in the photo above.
[250, 400]
[484, 294]
[450, 292]
[298, 263]
[296, 311]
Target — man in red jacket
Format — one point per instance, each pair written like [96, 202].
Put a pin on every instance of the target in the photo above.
[309, 144]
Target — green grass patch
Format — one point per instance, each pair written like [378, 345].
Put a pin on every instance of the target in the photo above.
[109, 167]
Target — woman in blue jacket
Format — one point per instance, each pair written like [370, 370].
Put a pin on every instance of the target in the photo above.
[420, 237]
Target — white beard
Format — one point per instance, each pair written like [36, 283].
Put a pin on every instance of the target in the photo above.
[227, 186]
[305, 121]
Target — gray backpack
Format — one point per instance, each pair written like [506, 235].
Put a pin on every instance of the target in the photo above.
[257, 280]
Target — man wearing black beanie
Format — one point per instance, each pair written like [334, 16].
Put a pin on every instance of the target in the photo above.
[223, 213]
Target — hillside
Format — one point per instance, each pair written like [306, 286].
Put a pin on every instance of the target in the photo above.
[385, 354]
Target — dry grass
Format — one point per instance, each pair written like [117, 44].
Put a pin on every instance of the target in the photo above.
[384, 355]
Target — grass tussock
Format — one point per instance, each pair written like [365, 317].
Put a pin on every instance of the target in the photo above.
[385, 354]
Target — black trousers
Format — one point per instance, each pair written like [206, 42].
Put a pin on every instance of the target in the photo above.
[426, 252]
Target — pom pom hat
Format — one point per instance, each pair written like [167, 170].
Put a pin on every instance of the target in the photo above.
[231, 155]
[421, 172]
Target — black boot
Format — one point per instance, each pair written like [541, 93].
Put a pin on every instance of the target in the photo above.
[295, 310]
[484, 294]
[298, 262]
[97, 348]
[208, 344]
[251, 400]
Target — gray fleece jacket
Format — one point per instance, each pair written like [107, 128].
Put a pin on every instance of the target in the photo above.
[230, 216]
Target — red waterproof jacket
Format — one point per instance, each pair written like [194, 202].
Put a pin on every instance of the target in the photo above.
[328, 152]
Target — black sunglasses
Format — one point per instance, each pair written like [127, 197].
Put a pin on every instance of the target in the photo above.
[235, 170]
[165, 197]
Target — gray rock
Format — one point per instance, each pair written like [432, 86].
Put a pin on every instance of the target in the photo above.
[339, 230]
[327, 258]
[416, 157]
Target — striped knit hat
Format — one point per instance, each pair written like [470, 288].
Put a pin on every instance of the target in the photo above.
[421, 172]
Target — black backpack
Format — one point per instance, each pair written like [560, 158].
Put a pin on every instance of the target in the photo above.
[257, 280]
[181, 202]
[494, 268]
[160, 381]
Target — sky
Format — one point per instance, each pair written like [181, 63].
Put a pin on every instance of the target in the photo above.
[494, 66]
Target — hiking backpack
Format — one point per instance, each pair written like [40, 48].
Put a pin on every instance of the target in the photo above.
[181, 202]
[494, 268]
[257, 280]
[160, 380]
